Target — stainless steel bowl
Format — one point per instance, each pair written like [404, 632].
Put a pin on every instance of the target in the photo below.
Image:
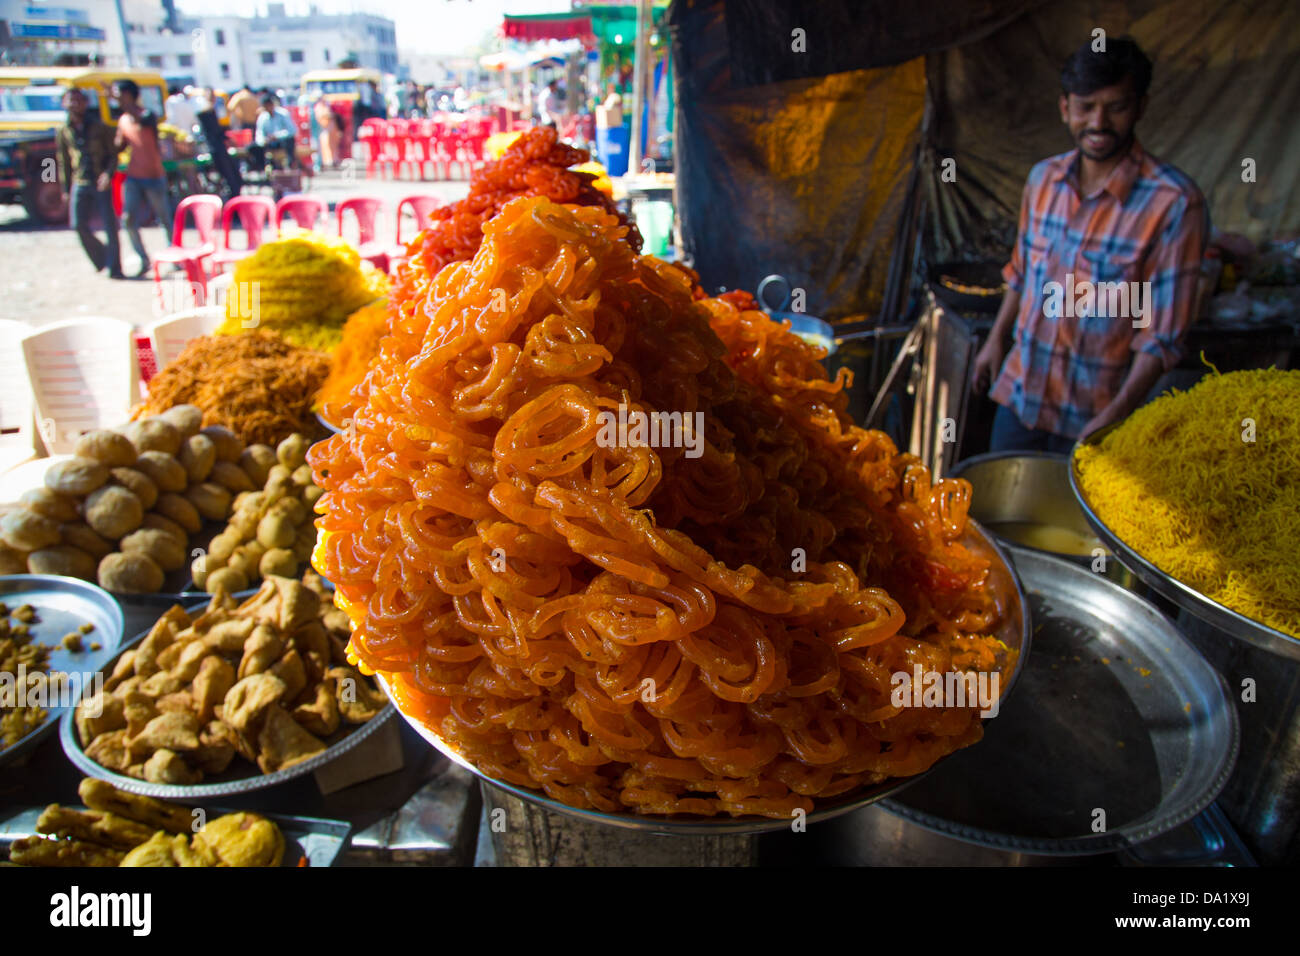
[1033, 488]
[1015, 632]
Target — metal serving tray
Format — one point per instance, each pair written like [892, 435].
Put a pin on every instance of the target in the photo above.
[63, 605]
[1118, 712]
[1186, 597]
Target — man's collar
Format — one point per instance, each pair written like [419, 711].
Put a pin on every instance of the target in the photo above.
[1121, 179]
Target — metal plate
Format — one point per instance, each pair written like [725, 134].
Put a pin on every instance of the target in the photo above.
[241, 777]
[1186, 597]
[320, 841]
[62, 605]
[1015, 632]
[1117, 712]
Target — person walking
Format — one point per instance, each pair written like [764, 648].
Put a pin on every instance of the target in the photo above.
[87, 160]
[146, 183]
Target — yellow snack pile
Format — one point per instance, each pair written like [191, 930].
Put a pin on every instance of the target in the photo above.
[303, 288]
[1205, 484]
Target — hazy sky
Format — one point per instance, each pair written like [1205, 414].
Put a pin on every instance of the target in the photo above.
[423, 26]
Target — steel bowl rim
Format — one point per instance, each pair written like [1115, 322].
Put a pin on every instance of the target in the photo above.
[706, 826]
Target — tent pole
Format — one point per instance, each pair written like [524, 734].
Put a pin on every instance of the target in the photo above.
[641, 58]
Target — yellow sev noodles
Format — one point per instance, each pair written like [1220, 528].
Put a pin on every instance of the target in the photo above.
[1182, 484]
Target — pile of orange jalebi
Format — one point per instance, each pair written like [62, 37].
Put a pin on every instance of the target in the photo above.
[535, 164]
[704, 629]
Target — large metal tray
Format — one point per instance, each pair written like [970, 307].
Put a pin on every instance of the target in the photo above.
[1015, 631]
[1117, 712]
[319, 841]
[1186, 597]
[240, 777]
[63, 605]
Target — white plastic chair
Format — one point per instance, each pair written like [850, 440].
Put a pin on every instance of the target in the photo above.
[83, 374]
[172, 334]
[17, 434]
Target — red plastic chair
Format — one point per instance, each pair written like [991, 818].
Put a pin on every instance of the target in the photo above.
[204, 209]
[422, 208]
[254, 213]
[239, 138]
[366, 209]
[305, 211]
[372, 135]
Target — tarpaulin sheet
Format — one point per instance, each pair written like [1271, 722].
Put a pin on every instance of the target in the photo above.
[804, 177]
[1225, 89]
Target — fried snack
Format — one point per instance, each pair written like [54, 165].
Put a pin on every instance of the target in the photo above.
[113, 512]
[257, 462]
[241, 839]
[63, 559]
[138, 483]
[283, 742]
[229, 446]
[154, 852]
[197, 456]
[186, 419]
[109, 749]
[231, 476]
[130, 574]
[179, 510]
[519, 572]
[19, 656]
[109, 447]
[157, 522]
[12, 560]
[25, 530]
[40, 851]
[162, 547]
[210, 499]
[162, 469]
[167, 766]
[76, 476]
[51, 504]
[92, 826]
[80, 535]
[154, 434]
[102, 795]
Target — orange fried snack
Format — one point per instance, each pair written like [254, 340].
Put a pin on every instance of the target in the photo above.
[704, 629]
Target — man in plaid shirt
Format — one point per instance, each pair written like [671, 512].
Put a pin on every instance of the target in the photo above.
[1101, 286]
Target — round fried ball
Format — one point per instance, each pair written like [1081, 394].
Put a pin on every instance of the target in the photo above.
[257, 461]
[246, 559]
[52, 504]
[231, 477]
[278, 561]
[83, 536]
[178, 509]
[292, 452]
[229, 447]
[138, 483]
[113, 511]
[76, 476]
[133, 573]
[229, 580]
[186, 419]
[311, 494]
[157, 522]
[62, 559]
[154, 434]
[197, 456]
[199, 571]
[275, 531]
[291, 508]
[162, 547]
[112, 448]
[221, 547]
[25, 530]
[210, 500]
[163, 470]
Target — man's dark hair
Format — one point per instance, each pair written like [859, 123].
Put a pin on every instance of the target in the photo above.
[268, 100]
[1087, 71]
[129, 87]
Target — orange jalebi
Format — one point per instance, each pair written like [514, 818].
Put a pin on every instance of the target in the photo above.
[705, 629]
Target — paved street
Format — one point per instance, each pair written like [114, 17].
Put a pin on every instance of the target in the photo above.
[46, 277]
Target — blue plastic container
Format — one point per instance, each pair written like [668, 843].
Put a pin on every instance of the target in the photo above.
[612, 147]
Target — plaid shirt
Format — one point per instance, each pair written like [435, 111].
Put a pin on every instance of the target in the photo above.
[1147, 223]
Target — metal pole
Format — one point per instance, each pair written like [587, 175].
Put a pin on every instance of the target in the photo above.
[640, 60]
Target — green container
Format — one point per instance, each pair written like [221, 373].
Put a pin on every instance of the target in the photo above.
[655, 220]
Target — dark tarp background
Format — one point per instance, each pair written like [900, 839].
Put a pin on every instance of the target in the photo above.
[799, 163]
